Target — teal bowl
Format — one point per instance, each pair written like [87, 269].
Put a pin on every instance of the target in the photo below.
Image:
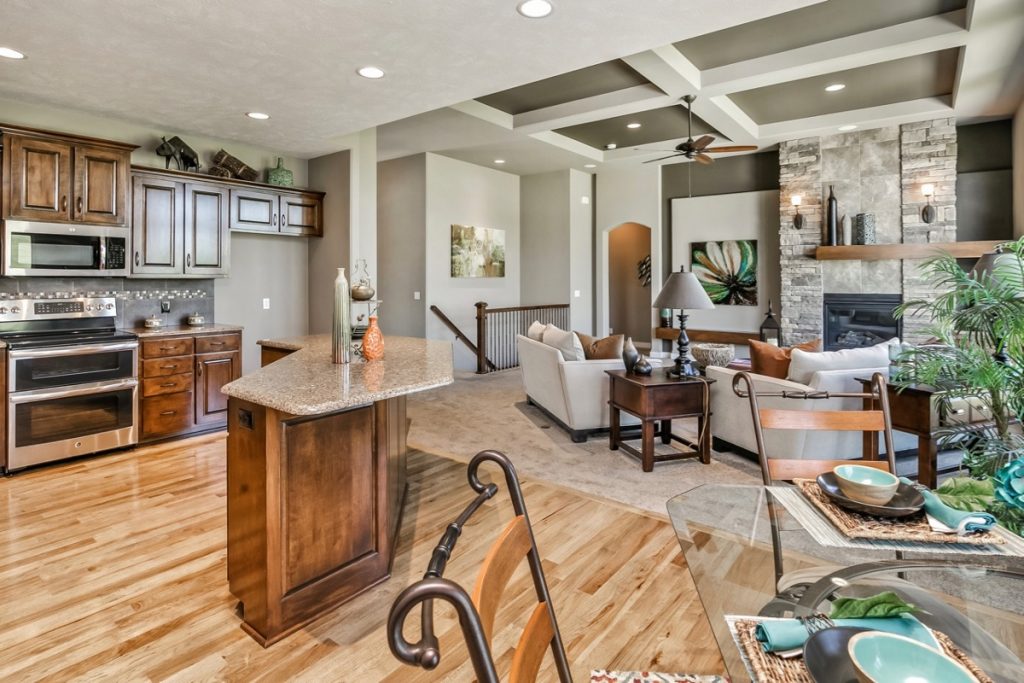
[888, 658]
[866, 484]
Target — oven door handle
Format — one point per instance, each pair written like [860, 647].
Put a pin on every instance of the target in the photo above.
[20, 354]
[69, 392]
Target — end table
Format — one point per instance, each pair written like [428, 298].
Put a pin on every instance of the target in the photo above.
[655, 399]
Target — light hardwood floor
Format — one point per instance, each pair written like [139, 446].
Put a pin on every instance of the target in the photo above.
[113, 568]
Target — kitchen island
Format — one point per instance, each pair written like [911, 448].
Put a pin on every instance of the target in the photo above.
[316, 476]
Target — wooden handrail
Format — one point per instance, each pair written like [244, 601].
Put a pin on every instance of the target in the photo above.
[524, 308]
[460, 336]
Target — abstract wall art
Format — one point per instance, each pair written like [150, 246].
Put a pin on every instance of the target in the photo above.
[477, 252]
[727, 270]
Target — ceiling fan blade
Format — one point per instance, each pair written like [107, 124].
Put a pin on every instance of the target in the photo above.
[703, 141]
[641, 149]
[732, 148]
[703, 159]
[651, 161]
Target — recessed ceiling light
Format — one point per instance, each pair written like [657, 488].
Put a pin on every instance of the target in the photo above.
[10, 53]
[610, 145]
[499, 161]
[846, 128]
[589, 165]
[633, 125]
[534, 9]
[371, 72]
[258, 115]
[835, 87]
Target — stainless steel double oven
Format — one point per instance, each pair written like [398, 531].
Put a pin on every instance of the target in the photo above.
[72, 379]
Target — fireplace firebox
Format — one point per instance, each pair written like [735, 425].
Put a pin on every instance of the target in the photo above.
[855, 320]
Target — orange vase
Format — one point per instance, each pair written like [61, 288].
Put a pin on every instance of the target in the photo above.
[373, 341]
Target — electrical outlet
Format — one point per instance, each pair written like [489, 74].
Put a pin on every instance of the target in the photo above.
[165, 306]
[415, 296]
[266, 304]
[576, 293]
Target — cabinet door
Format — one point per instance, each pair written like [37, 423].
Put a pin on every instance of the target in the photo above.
[39, 177]
[301, 214]
[213, 371]
[207, 242]
[254, 210]
[158, 209]
[101, 185]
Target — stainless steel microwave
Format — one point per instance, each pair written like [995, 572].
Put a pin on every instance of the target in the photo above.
[64, 250]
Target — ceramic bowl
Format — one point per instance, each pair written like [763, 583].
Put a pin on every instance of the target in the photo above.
[888, 658]
[907, 501]
[866, 484]
[152, 322]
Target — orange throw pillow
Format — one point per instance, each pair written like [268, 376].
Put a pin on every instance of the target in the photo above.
[607, 348]
[773, 361]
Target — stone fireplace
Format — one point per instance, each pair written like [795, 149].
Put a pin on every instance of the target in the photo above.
[877, 171]
[851, 321]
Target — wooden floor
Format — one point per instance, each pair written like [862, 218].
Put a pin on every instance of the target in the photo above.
[113, 568]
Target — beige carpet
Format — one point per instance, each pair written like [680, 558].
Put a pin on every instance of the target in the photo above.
[490, 411]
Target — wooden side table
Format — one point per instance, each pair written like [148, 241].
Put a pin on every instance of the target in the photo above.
[655, 399]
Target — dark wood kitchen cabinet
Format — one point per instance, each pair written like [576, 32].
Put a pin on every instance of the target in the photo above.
[61, 178]
[181, 379]
[207, 240]
[298, 212]
[254, 210]
[301, 214]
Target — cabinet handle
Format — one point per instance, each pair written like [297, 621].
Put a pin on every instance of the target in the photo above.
[188, 260]
[78, 206]
[168, 367]
[216, 343]
[64, 203]
[284, 220]
[199, 369]
[168, 384]
[167, 348]
[273, 220]
[136, 259]
[169, 412]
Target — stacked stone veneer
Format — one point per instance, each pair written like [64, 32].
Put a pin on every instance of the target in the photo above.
[877, 171]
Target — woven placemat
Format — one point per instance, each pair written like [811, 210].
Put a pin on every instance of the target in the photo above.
[766, 666]
[856, 525]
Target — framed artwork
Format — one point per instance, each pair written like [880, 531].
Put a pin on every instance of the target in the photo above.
[727, 270]
[477, 252]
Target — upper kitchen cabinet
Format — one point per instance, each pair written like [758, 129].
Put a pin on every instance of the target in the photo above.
[207, 240]
[66, 179]
[272, 210]
[302, 214]
[255, 210]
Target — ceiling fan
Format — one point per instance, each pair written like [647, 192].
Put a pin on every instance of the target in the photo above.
[698, 149]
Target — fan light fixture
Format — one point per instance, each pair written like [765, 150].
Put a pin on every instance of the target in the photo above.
[928, 211]
[535, 9]
[798, 220]
[371, 72]
[258, 115]
[11, 53]
[834, 87]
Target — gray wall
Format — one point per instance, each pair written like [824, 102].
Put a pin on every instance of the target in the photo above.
[984, 181]
[330, 174]
[402, 245]
[629, 302]
[544, 238]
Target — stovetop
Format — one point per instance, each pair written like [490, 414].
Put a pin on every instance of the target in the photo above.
[34, 323]
[33, 340]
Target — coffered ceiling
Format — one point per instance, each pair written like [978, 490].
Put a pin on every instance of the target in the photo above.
[764, 81]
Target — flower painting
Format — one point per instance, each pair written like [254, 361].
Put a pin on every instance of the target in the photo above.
[477, 252]
[727, 270]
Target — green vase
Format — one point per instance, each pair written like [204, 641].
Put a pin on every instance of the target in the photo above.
[280, 175]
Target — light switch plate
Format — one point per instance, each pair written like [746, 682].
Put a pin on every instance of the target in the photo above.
[266, 304]
[576, 293]
[416, 296]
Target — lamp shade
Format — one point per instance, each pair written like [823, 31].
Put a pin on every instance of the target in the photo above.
[683, 290]
[991, 263]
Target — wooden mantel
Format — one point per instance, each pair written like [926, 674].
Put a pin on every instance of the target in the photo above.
[892, 252]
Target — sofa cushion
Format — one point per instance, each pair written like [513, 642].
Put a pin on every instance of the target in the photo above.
[536, 330]
[804, 365]
[773, 361]
[566, 341]
[607, 348]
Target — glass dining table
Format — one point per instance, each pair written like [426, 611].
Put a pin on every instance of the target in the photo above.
[749, 556]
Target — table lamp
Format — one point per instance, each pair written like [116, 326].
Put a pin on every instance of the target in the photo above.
[683, 290]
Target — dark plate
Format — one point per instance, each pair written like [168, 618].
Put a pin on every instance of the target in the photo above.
[906, 502]
[826, 656]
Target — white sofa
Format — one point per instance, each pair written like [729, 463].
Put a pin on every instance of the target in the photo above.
[573, 393]
[731, 420]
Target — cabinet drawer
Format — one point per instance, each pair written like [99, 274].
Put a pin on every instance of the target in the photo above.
[216, 343]
[171, 384]
[160, 348]
[166, 415]
[162, 367]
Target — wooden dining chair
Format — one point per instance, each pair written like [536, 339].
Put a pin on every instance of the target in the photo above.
[787, 469]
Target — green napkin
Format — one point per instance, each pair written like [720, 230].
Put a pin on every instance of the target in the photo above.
[788, 634]
[959, 520]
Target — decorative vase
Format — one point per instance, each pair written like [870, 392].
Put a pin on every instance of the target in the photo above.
[847, 230]
[719, 355]
[361, 289]
[666, 317]
[642, 366]
[629, 354]
[832, 219]
[280, 175]
[864, 230]
[373, 341]
[341, 332]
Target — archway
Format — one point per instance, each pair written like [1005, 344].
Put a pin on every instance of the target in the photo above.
[629, 281]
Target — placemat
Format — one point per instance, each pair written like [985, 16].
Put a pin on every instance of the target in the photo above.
[766, 666]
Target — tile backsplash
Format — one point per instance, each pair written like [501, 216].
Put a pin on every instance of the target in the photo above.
[136, 299]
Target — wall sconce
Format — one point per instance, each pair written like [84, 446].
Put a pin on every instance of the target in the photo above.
[798, 220]
[928, 211]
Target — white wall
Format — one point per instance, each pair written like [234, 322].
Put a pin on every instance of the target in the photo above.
[466, 194]
[545, 238]
[581, 251]
[1018, 172]
[743, 215]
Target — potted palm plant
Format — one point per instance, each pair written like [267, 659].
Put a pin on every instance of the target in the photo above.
[977, 360]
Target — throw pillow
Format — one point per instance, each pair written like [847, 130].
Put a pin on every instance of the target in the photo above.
[535, 331]
[773, 361]
[567, 343]
[608, 348]
[804, 365]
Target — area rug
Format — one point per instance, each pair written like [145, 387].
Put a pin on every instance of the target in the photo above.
[490, 411]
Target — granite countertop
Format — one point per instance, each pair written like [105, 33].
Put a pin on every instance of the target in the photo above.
[169, 330]
[308, 383]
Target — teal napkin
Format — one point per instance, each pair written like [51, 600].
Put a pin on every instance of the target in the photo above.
[959, 520]
[789, 634]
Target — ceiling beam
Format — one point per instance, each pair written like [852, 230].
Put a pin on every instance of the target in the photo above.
[870, 117]
[978, 92]
[911, 38]
[569, 145]
[485, 112]
[597, 108]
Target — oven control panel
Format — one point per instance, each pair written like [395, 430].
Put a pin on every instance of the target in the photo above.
[58, 306]
[20, 310]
